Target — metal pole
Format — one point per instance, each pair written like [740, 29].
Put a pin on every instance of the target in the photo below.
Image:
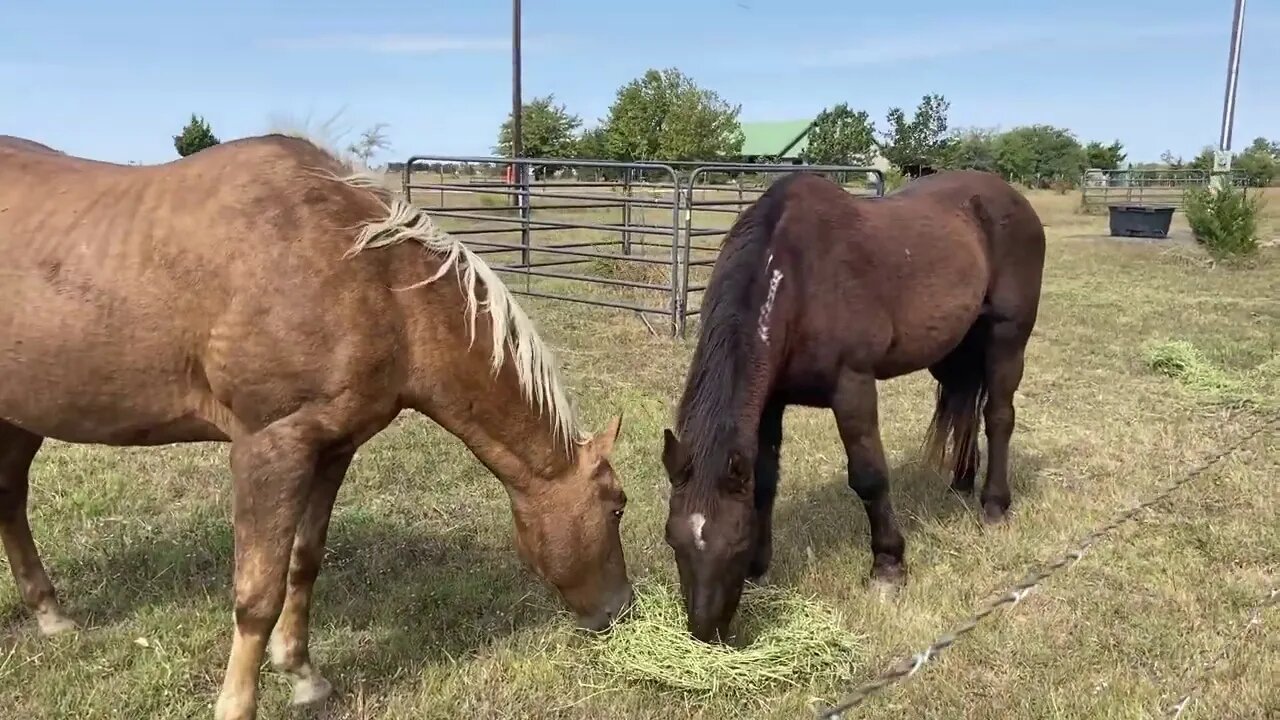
[1222, 158]
[517, 139]
[1233, 74]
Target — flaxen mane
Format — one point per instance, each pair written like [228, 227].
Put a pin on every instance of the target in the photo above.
[708, 417]
[534, 362]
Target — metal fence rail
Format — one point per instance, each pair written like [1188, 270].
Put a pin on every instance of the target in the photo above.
[1100, 189]
[609, 234]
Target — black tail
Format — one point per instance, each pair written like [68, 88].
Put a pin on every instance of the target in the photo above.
[962, 390]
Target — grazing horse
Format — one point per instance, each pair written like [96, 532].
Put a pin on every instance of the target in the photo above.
[262, 293]
[816, 295]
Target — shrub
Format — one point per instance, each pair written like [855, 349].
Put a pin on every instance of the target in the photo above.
[1224, 220]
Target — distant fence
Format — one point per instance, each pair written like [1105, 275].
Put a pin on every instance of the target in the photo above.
[1103, 188]
[627, 236]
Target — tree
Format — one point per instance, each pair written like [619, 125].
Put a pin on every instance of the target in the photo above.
[1259, 164]
[921, 140]
[370, 142]
[593, 144]
[196, 136]
[1203, 161]
[841, 136]
[1104, 157]
[664, 115]
[971, 149]
[1175, 162]
[1039, 155]
[546, 130]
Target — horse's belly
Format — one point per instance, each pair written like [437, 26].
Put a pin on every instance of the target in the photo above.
[82, 373]
[928, 336]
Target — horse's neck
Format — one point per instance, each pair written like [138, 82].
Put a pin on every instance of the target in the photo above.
[450, 379]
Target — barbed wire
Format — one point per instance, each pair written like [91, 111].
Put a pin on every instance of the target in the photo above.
[909, 666]
[1255, 618]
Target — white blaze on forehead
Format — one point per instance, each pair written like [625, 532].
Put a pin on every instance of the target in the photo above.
[696, 523]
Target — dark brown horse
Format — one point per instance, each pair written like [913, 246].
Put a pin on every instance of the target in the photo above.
[815, 296]
[259, 293]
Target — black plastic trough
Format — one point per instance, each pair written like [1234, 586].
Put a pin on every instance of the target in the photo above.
[1146, 221]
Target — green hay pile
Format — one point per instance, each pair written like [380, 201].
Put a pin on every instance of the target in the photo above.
[1185, 363]
[790, 640]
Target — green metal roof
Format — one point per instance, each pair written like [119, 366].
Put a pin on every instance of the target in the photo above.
[785, 139]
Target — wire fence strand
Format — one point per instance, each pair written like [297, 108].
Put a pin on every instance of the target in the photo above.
[909, 666]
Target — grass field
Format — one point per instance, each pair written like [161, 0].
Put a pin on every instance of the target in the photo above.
[423, 610]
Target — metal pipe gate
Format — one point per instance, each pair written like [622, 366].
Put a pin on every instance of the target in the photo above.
[628, 230]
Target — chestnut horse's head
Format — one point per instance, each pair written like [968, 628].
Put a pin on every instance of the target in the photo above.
[567, 530]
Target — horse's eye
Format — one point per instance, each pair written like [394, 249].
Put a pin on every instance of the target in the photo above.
[618, 513]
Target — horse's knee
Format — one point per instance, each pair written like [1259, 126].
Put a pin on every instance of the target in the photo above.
[867, 480]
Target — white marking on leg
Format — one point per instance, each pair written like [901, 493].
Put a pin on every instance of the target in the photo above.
[767, 307]
[696, 522]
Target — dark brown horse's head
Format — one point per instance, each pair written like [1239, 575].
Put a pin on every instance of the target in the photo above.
[568, 532]
[711, 526]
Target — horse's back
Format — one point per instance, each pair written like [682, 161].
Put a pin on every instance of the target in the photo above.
[131, 293]
[894, 283]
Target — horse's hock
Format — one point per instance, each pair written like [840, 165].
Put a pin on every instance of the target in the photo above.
[635, 237]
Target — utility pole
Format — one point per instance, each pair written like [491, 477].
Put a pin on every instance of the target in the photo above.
[1222, 158]
[517, 139]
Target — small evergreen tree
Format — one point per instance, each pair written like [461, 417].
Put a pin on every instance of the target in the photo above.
[195, 137]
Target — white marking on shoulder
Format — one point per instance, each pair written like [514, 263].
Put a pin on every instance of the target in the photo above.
[696, 522]
[767, 307]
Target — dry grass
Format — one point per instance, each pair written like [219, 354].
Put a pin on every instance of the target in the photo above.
[423, 610]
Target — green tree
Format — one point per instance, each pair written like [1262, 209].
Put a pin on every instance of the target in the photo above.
[664, 115]
[1203, 161]
[971, 149]
[546, 130]
[593, 144]
[841, 136]
[1174, 162]
[922, 140]
[1104, 157]
[196, 136]
[1038, 155]
[370, 142]
[1259, 164]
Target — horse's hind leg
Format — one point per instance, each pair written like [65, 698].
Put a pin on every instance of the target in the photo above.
[272, 473]
[289, 643]
[854, 405]
[17, 449]
[1004, 361]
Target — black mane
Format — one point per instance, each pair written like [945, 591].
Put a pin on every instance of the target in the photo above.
[718, 381]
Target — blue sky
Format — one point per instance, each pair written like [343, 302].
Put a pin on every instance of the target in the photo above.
[115, 80]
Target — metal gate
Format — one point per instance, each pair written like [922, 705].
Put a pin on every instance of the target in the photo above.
[607, 234]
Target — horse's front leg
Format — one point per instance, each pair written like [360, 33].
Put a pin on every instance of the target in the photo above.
[855, 407]
[290, 653]
[766, 487]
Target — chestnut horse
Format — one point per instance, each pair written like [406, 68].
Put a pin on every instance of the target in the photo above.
[262, 293]
[816, 295]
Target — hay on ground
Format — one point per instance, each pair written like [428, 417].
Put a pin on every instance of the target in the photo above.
[787, 640]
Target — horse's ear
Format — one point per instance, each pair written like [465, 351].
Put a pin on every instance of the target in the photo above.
[674, 457]
[600, 446]
[738, 477]
[605, 439]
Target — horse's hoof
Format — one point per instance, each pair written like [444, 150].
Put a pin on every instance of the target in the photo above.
[311, 691]
[993, 515]
[55, 623]
[888, 580]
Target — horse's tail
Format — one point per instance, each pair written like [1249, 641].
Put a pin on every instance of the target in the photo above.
[957, 414]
